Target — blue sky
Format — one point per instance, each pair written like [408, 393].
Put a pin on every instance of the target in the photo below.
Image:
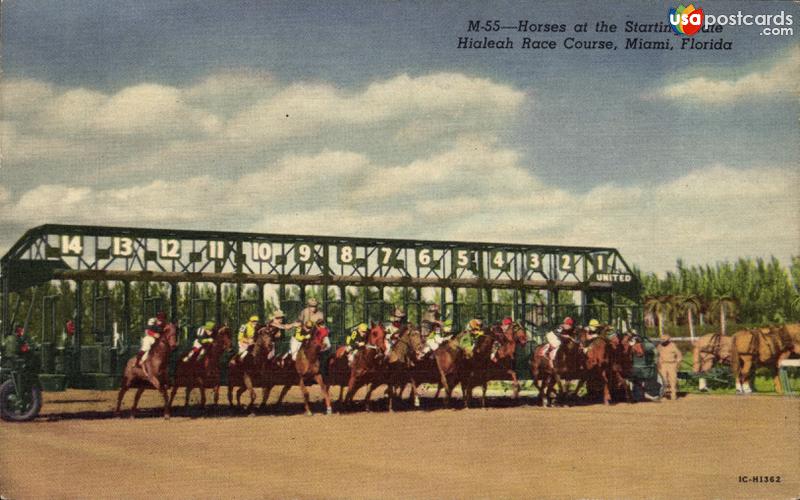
[106, 101]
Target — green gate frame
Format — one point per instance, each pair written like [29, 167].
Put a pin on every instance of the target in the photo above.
[97, 253]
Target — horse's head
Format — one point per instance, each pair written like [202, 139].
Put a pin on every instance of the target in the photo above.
[519, 335]
[635, 344]
[377, 335]
[170, 336]
[416, 342]
[223, 337]
[263, 342]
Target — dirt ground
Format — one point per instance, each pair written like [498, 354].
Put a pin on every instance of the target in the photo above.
[696, 447]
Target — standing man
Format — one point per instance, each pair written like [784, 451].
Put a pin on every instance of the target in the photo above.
[669, 357]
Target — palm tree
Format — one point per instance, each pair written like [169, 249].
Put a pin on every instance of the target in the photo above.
[689, 304]
[725, 305]
[661, 307]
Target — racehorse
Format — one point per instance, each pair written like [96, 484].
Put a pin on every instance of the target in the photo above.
[365, 364]
[709, 350]
[203, 373]
[623, 349]
[150, 373]
[568, 364]
[248, 373]
[484, 367]
[449, 361]
[764, 346]
[476, 367]
[306, 368]
[597, 369]
[397, 370]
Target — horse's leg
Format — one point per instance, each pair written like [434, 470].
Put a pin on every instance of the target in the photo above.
[414, 393]
[747, 367]
[138, 395]
[122, 390]
[284, 390]
[163, 391]
[325, 393]
[202, 386]
[230, 394]
[606, 390]
[172, 394]
[483, 393]
[248, 382]
[265, 395]
[216, 394]
[514, 383]
[304, 390]
[188, 393]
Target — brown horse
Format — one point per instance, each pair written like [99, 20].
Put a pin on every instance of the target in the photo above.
[597, 369]
[449, 361]
[501, 365]
[569, 364]
[150, 373]
[203, 373]
[247, 373]
[477, 366]
[623, 349]
[397, 370]
[765, 346]
[306, 368]
[709, 350]
[365, 364]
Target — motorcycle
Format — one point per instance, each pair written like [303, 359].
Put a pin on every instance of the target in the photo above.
[20, 388]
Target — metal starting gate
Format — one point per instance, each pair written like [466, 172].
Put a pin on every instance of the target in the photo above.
[196, 276]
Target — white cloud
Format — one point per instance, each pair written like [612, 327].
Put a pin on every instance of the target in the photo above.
[714, 212]
[782, 79]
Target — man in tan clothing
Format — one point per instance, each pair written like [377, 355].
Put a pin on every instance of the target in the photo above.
[669, 358]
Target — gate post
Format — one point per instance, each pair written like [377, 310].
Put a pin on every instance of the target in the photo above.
[76, 356]
[173, 302]
[6, 328]
[261, 308]
[218, 305]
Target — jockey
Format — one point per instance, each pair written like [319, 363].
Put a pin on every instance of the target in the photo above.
[151, 334]
[324, 333]
[204, 337]
[471, 334]
[161, 319]
[247, 334]
[554, 337]
[399, 321]
[355, 341]
[593, 328]
[506, 325]
[276, 327]
[309, 316]
[431, 320]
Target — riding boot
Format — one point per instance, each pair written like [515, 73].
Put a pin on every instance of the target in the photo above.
[139, 359]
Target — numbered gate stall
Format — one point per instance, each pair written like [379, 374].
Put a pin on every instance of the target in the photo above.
[92, 289]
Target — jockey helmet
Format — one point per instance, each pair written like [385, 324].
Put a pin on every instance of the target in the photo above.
[152, 322]
[312, 302]
[448, 325]
[594, 324]
[568, 322]
[398, 314]
[254, 318]
[209, 325]
[507, 321]
[362, 327]
[278, 314]
[433, 307]
[161, 316]
[475, 324]
[321, 320]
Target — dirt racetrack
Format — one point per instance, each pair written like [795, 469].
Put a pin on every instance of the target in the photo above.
[696, 447]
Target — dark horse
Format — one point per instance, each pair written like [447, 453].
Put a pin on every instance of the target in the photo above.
[397, 369]
[306, 369]
[203, 373]
[365, 364]
[568, 365]
[151, 373]
[623, 349]
[597, 370]
[248, 373]
[484, 367]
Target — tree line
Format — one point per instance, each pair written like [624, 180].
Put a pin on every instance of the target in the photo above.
[748, 292]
